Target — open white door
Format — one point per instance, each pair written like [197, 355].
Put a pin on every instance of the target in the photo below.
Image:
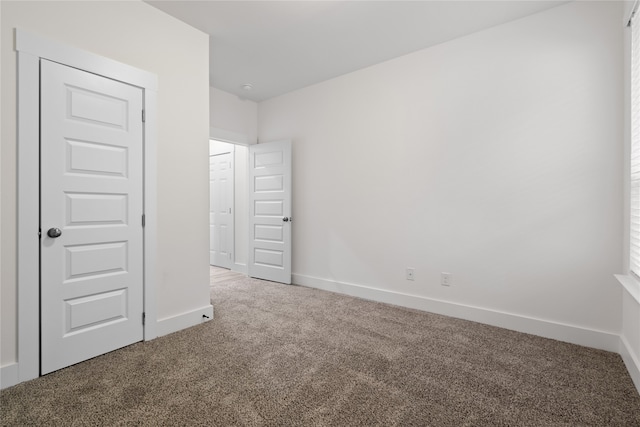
[91, 194]
[270, 211]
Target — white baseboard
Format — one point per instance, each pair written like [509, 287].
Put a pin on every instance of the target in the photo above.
[9, 375]
[185, 320]
[631, 361]
[544, 328]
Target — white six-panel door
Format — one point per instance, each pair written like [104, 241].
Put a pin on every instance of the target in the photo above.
[270, 211]
[220, 201]
[91, 190]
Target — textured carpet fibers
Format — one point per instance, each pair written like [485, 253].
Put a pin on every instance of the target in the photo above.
[286, 355]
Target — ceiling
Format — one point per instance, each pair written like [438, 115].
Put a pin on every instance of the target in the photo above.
[281, 46]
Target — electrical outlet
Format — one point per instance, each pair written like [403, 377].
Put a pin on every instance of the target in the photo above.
[410, 273]
[445, 279]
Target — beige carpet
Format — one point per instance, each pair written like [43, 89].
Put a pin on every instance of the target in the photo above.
[279, 355]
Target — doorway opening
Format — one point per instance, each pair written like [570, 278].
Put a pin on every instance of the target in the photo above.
[228, 194]
[250, 208]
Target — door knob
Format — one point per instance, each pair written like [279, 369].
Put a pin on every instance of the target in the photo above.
[54, 232]
[285, 219]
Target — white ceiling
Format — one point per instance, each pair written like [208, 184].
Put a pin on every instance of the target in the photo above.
[281, 46]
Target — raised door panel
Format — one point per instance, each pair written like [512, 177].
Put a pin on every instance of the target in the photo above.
[91, 189]
[270, 211]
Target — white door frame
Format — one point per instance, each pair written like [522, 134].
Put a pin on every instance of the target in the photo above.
[30, 49]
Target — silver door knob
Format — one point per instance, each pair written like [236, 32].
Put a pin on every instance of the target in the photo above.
[54, 232]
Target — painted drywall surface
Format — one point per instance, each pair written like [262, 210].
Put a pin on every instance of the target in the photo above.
[230, 113]
[241, 197]
[139, 35]
[631, 324]
[6, 327]
[495, 157]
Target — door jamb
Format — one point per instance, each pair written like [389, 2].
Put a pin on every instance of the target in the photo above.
[30, 49]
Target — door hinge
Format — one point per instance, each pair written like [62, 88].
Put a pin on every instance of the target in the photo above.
[144, 316]
[39, 233]
[143, 116]
[143, 220]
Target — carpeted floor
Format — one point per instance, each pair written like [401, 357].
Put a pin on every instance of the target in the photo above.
[278, 355]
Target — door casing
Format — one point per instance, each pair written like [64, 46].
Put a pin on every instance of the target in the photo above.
[30, 49]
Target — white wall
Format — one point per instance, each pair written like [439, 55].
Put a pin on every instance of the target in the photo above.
[496, 157]
[235, 118]
[6, 327]
[142, 36]
[241, 199]
[630, 335]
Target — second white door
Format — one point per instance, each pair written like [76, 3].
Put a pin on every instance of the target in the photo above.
[220, 209]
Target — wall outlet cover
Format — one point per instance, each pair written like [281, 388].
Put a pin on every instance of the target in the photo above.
[410, 273]
[445, 279]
